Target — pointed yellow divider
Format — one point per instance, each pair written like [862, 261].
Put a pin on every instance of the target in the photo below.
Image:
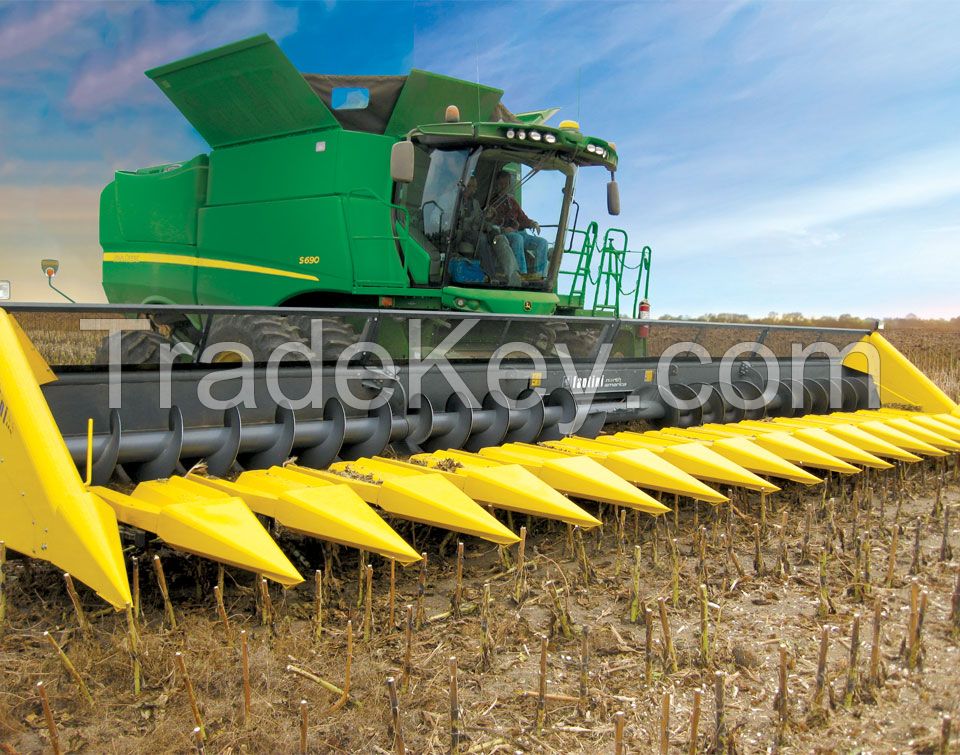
[643, 468]
[862, 439]
[505, 486]
[948, 419]
[420, 497]
[868, 441]
[748, 455]
[203, 521]
[316, 508]
[758, 461]
[897, 378]
[906, 426]
[930, 422]
[784, 444]
[46, 512]
[817, 436]
[921, 433]
[938, 425]
[898, 438]
[694, 458]
[575, 475]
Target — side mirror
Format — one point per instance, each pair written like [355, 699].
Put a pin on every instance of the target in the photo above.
[613, 198]
[401, 162]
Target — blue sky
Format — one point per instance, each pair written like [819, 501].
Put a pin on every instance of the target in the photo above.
[778, 156]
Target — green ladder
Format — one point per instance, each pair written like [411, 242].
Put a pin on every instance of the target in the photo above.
[622, 278]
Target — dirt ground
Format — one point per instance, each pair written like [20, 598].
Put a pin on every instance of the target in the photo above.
[752, 610]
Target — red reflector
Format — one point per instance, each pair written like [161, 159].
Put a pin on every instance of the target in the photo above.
[386, 301]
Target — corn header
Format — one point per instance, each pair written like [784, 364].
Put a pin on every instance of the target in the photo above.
[374, 300]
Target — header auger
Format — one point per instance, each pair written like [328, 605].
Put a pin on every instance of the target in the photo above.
[352, 309]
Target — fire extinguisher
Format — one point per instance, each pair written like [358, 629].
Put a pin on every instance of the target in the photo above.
[644, 330]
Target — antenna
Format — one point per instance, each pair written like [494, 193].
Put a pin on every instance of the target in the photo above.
[476, 55]
[579, 72]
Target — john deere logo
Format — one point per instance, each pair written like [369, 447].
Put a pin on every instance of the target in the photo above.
[527, 306]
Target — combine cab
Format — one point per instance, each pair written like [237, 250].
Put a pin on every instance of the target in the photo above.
[354, 268]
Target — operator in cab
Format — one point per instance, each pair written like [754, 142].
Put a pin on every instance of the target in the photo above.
[474, 240]
[505, 212]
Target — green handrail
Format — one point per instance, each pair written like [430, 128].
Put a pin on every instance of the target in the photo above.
[621, 277]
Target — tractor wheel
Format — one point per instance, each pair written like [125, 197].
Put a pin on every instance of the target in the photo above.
[337, 334]
[136, 347]
[545, 338]
[261, 334]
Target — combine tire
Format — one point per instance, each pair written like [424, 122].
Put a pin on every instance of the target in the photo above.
[136, 347]
[337, 334]
[261, 334]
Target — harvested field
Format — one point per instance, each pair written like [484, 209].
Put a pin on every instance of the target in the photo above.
[937, 354]
[775, 602]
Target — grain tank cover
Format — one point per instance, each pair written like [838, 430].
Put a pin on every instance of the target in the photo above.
[425, 97]
[249, 90]
[241, 92]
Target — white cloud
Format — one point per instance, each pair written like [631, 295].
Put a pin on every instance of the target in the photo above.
[40, 29]
[43, 43]
[115, 77]
[807, 214]
[37, 150]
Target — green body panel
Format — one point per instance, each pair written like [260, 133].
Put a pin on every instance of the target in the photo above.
[138, 208]
[499, 300]
[160, 202]
[376, 262]
[274, 234]
[570, 304]
[150, 283]
[291, 206]
[536, 117]
[417, 260]
[274, 169]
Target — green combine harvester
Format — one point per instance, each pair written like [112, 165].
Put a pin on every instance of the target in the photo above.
[364, 263]
[353, 191]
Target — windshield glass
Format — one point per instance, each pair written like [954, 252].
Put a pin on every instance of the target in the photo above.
[431, 197]
[490, 215]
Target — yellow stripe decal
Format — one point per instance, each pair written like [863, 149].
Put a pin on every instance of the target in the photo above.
[182, 259]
